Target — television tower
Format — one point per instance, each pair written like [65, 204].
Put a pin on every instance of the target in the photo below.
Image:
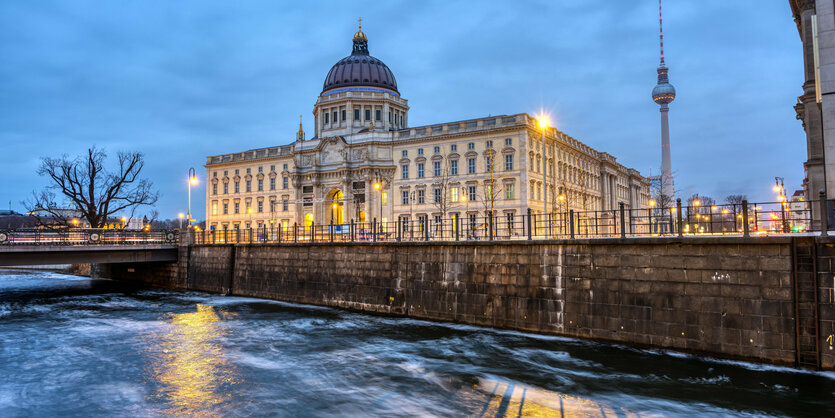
[663, 94]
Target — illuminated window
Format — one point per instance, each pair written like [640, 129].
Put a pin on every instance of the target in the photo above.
[385, 198]
[453, 194]
[508, 191]
[214, 208]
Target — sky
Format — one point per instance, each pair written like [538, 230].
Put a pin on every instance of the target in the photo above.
[183, 80]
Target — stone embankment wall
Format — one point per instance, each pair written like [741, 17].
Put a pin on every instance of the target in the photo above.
[725, 297]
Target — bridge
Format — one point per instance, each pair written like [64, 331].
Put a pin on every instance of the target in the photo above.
[49, 247]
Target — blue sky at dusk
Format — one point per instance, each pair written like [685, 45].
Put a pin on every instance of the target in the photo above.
[186, 79]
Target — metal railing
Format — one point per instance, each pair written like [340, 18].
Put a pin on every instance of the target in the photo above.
[78, 237]
[770, 218]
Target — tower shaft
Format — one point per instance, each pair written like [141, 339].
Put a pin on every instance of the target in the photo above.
[667, 188]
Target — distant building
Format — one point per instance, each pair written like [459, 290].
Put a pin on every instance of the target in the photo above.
[365, 162]
[815, 21]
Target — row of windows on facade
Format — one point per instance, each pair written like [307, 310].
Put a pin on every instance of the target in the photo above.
[394, 118]
[285, 184]
[454, 147]
[453, 168]
[407, 198]
[248, 171]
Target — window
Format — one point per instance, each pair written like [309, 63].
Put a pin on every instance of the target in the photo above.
[260, 185]
[272, 206]
[260, 206]
[237, 187]
[508, 142]
[327, 120]
[420, 170]
[248, 186]
[437, 196]
[378, 115]
[356, 114]
[237, 207]
[214, 174]
[284, 182]
[343, 115]
[453, 147]
[405, 171]
[248, 171]
[334, 117]
[214, 208]
[385, 197]
[471, 191]
[453, 167]
[404, 197]
[225, 188]
[421, 198]
[285, 166]
[453, 194]
[214, 189]
[471, 166]
[508, 191]
[225, 173]
[260, 169]
[420, 151]
[284, 205]
[471, 145]
[272, 168]
[225, 208]
[367, 114]
[490, 144]
[437, 150]
[436, 167]
[509, 217]
[272, 183]
[508, 163]
[405, 153]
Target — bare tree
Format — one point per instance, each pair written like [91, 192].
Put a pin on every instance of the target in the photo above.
[736, 199]
[92, 189]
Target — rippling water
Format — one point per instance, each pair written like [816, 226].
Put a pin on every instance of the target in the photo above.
[72, 346]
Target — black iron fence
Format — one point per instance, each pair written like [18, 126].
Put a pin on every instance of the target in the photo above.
[743, 219]
[75, 236]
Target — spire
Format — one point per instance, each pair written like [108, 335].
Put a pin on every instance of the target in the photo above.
[360, 42]
[661, 31]
[300, 133]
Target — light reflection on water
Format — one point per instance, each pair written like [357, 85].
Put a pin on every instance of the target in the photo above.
[189, 364]
[100, 348]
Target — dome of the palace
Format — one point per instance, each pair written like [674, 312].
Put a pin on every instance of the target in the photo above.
[360, 69]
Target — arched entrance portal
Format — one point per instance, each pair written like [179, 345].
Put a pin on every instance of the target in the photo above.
[336, 207]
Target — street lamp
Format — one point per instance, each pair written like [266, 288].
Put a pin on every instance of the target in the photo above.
[466, 210]
[544, 121]
[192, 180]
[180, 215]
[123, 221]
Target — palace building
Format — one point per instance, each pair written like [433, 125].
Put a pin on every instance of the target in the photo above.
[364, 162]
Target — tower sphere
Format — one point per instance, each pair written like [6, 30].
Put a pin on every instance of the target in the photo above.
[663, 93]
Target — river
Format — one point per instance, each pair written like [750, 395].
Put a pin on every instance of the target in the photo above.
[72, 346]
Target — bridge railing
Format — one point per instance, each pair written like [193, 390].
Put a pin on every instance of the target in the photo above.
[77, 237]
[694, 220]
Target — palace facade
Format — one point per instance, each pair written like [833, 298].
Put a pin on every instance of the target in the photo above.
[364, 162]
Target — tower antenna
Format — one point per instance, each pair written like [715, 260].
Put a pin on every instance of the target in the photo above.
[661, 31]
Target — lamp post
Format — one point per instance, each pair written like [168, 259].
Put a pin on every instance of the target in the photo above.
[781, 196]
[192, 180]
[543, 125]
[651, 215]
[561, 199]
[180, 215]
[123, 219]
[378, 185]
